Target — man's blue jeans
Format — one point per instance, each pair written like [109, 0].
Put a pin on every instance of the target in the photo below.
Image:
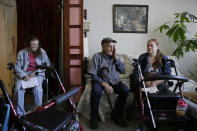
[121, 89]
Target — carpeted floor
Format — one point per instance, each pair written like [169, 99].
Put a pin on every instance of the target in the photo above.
[191, 96]
[109, 125]
[134, 123]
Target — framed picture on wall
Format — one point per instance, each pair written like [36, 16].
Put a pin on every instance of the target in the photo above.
[130, 18]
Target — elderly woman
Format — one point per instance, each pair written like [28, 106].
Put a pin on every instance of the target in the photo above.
[25, 68]
[154, 62]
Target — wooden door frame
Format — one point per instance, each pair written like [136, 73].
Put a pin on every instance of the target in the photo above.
[66, 42]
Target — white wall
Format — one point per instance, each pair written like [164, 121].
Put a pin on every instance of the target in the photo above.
[99, 14]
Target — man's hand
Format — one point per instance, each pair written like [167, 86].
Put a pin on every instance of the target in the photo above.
[114, 54]
[108, 88]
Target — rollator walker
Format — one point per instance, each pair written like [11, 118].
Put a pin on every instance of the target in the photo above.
[49, 116]
[161, 106]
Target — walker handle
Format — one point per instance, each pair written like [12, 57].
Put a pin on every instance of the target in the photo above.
[63, 97]
[166, 77]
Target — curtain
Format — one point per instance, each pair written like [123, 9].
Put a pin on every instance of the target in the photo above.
[42, 19]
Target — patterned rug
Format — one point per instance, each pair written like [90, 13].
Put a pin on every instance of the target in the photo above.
[191, 96]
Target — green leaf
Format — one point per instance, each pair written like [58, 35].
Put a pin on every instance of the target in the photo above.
[196, 35]
[170, 32]
[181, 53]
[182, 34]
[187, 47]
[174, 53]
[187, 19]
[193, 48]
[166, 27]
[176, 36]
[177, 15]
[183, 26]
[178, 52]
[195, 43]
[161, 29]
[182, 18]
[184, 13]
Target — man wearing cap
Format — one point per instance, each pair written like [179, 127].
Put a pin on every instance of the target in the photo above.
[104, 69]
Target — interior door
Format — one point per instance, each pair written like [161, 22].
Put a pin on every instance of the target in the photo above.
[7, 44]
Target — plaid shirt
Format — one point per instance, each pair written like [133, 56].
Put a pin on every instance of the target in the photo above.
[101, 61]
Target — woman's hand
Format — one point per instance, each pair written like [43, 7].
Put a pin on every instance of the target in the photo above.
[26, 78]
[153, 83]
[149, 83]
[32, 75]
[108, 88]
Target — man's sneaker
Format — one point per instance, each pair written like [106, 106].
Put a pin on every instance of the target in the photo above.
[94, 124]
[122, 122]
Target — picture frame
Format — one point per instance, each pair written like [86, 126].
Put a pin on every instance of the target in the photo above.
[130, 18]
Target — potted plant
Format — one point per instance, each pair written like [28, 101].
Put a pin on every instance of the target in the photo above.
[177, 30]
